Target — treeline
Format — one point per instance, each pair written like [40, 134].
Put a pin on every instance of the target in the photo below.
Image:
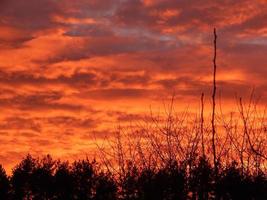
[48, 179]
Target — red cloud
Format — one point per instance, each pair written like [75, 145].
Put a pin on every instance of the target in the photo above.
[60, 59]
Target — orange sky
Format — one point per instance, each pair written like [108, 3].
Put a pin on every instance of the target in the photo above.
[73, 69]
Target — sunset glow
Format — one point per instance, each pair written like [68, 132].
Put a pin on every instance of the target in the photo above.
[72, 71]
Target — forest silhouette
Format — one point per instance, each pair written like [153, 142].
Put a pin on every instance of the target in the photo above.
[170, 158]
[43, 179]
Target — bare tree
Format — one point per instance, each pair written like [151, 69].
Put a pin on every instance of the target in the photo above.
[202, 124]
[214, 101]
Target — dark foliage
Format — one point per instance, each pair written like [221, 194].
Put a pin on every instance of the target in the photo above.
[4, 184]
[64, 182]
[234, 184]
[47, 179]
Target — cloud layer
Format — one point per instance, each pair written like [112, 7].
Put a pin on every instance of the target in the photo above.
[69, 69]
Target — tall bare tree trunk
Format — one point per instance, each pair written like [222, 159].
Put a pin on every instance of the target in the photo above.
[202, 124]
[214, 102]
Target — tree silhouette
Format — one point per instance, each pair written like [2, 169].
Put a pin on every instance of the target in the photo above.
[4, 184]
[21, 180]
[105, 187]
[233, 184]
[129, 182]
[200, 179]
[83, 176]
[64, 182]
[42, 182]
[46, 179]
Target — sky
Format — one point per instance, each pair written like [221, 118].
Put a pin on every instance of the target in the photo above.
[71, 71]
